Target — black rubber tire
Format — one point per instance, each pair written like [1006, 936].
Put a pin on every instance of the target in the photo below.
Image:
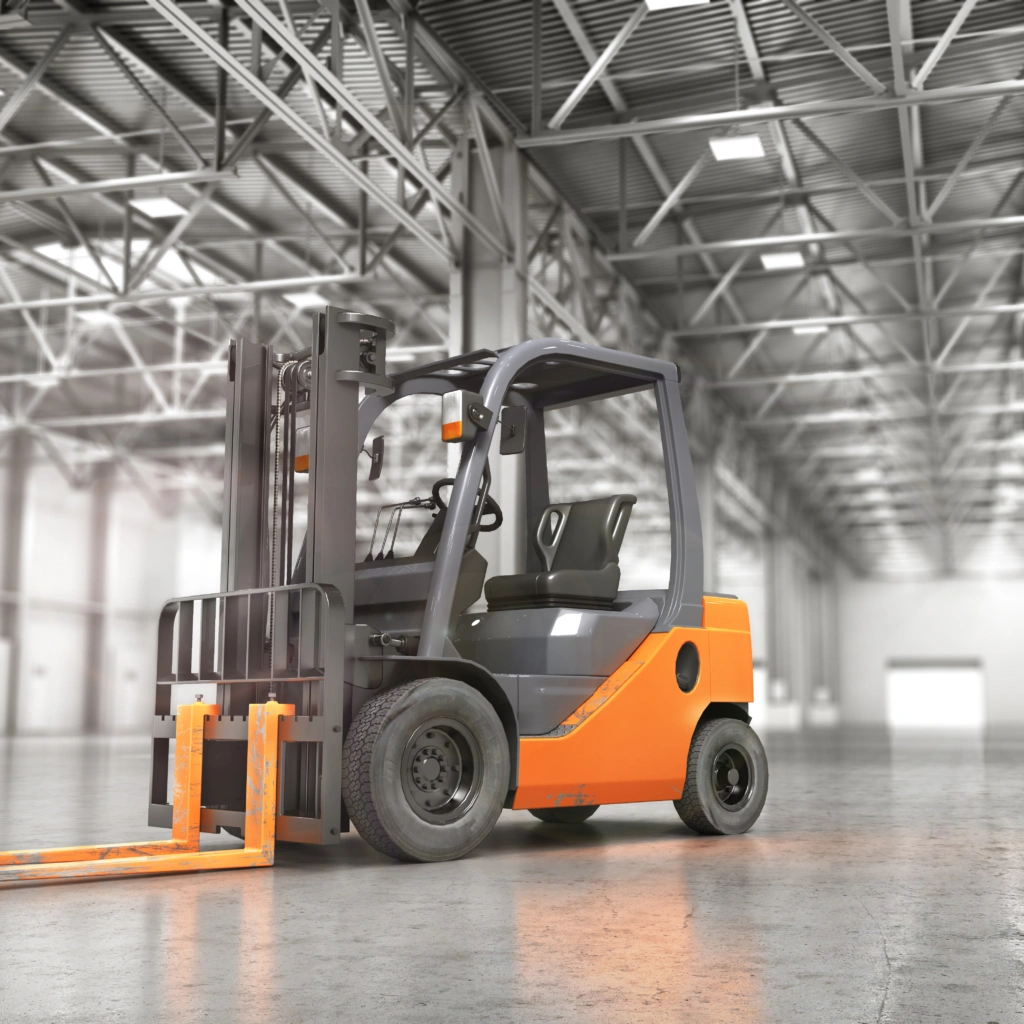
[564, 815]
[372, 783]
[700, 806]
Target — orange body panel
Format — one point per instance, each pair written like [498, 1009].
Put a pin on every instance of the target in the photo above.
[182, 852]
[727, 622]
[631, 739]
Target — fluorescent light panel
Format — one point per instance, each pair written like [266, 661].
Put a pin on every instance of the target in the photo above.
[737, 147]
[781, 260]
[668, 5]
[305, 300]
[158, 207]
[811, 329]
[98, 316]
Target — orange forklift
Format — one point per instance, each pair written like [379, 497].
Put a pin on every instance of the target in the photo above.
[368, 690]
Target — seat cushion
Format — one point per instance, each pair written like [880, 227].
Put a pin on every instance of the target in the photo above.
[563, 588]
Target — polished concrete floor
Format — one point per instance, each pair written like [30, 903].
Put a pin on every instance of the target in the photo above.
[884, 882]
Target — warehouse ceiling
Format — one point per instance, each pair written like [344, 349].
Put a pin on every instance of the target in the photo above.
[814, 207]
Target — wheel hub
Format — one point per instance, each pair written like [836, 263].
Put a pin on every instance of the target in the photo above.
[438, 771]
[732, 778]
[430, 768]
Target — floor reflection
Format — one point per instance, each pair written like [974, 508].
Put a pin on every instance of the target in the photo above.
[625, 941]
[882, 883]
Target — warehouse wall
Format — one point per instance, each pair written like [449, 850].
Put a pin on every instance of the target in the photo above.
[97, 563]
[954, 618]
[86, 660]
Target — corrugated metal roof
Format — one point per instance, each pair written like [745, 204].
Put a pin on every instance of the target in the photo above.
[687, 60]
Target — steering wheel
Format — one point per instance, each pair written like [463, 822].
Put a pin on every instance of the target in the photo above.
[491, 507]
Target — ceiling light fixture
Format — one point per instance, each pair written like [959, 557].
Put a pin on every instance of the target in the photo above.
[811, 329]
[782, 260]
[737, 147]
[43, 381]
[98, 316]
[158, 207]
[305, 300]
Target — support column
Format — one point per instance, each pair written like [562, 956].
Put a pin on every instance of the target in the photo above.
[783, 622]
[822, 698]
[11, 612]
[97, 619]
[830, 643]
[488, 310]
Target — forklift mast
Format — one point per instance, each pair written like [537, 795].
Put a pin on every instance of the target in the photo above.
[278, 628]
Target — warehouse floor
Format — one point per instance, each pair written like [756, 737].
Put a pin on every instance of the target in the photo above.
[883, 883]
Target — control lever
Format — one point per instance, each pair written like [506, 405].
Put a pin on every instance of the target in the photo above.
[397, 508]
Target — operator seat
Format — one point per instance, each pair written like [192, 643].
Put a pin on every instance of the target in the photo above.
[578, 544]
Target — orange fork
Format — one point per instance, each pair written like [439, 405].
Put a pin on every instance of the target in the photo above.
[181, 852]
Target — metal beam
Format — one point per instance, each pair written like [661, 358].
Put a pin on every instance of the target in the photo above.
[597, 68]
[846, 319]
[671, 200]
[204, 367]
[17, 99]
[811, 237]
[765, 114]
[835, 46]
[402, 130]
[108, 299]
[895, 369]
[84, 188]
[119, 419]
[851, 175]
[969, 154]
[108, 130]
[942, 45]
[404, 157]
[845, 416]
[323, 146]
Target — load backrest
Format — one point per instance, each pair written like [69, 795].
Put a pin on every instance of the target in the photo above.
[583, 534]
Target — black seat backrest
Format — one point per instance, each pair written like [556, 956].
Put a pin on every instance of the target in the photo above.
[583, 534]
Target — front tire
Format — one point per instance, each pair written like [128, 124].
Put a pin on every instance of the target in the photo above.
[564, 815]
[726, 779]
[425, 770]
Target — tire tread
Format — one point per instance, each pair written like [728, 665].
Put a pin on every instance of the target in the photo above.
[688, 806]
[356, 787]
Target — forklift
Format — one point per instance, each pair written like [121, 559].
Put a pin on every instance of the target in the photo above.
[379, 691]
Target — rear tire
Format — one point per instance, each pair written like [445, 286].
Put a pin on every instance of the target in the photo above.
[564, 815]
[425, 770]
[726, 779]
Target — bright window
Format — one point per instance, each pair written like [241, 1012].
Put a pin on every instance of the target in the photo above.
[935, 695]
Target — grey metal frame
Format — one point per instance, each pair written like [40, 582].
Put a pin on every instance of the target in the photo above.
[683, 602]
[312, 649]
